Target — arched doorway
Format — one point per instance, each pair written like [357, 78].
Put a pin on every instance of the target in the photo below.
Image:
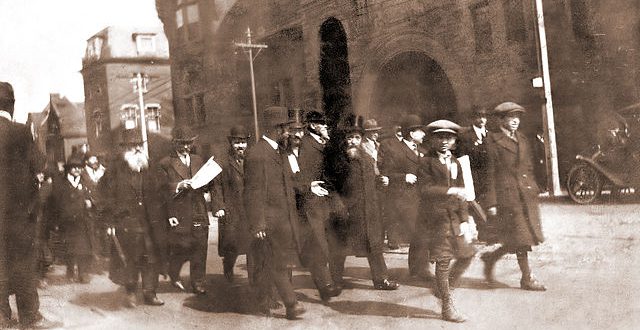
[334, 71]
[412, 82]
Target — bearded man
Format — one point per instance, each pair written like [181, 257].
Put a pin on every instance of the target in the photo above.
[134, 216]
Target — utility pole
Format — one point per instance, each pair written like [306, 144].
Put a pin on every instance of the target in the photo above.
[248, 48]
[551, 150]
[140, 86]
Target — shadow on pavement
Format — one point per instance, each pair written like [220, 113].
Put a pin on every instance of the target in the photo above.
[108, 301]
[237, 298]
[378, 308]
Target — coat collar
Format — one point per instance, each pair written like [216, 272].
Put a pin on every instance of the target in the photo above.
[507, 143]
[182, 169]
[409, 153]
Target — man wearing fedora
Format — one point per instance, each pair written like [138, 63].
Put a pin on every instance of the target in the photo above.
[360, 232]
[136, 220]
[188, 235]
[20, 163]
[401, 166]
[512, 194]
[233, 227]
[270, 204]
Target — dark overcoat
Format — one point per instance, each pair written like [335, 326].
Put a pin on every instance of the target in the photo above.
[189, 205]
[70, 213]
[513, 190]
[233, 229]
[441, 214]
[477, 152]
[396, 163]
[361, 232]
[133, 205]
[269, 196]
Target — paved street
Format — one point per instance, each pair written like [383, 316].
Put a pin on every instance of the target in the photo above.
[589, 263]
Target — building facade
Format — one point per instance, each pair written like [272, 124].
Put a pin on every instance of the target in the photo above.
[115, 56]
[383, 59]
[58, 130]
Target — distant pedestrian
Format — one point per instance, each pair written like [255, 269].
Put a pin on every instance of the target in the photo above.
[512, 194]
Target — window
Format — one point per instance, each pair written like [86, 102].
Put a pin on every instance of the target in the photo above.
[188, 20]
[145, 43]
[514, 20]
[152, 112]
[129, 116]
[281, 93]
[482, 26]
[94, 48]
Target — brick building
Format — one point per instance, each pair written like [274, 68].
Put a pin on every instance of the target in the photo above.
[384, 58]
[113, 57]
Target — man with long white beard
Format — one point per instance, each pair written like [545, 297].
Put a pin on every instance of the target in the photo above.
[134, 215]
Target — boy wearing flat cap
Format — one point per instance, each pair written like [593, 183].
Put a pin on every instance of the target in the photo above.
[444, 214]
[512, 194]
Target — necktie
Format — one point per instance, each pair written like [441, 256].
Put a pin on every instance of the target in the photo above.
[414, 147]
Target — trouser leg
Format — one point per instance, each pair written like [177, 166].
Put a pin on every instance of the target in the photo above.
[523, 263]
[5, 308]
[490, 260]
[418, 256]
[24, 283]
[177, 258]
[336, 268]
[458, 268]
[378, 267]
[229, 261]
[198, 260]
[280, 278]
[84, 266]
[149, 274]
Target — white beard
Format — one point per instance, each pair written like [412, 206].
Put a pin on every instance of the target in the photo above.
[137, 161]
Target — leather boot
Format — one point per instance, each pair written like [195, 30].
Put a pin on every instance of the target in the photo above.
[532, 284]
[294, 311]
[458, 268]
[151, 299]
[450, 313]
[489, 263]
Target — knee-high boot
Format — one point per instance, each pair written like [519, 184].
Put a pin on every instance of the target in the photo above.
[449, 312]
[458, 268]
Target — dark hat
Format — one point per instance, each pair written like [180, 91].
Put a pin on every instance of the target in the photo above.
[275, 116]
[315, 117]
[131, 137]
[75, 160]
[353, 124]
[295, 115]
[371, 125]
[183, 134]
[409, 123]
[443, 126]
[7, 98]
[506, 108]
[238, 132]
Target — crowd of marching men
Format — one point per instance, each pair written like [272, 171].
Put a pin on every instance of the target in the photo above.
[302, 196]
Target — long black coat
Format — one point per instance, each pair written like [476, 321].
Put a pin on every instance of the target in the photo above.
[477, 152]
[133, 205]
[68, 210]
[512, 188]
[233, 229]
[361, 232]
[20, 161]
[269, 196]
[395, 162]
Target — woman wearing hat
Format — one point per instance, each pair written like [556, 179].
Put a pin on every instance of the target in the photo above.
[512, 194]
[443, 214]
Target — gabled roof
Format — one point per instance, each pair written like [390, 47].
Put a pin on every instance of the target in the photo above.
[71, 116]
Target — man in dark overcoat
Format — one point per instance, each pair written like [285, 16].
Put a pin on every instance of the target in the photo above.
[401, 167]
[360, 233]
[92, 173]
[233, 227]
[389, 146]
[135, 217]
[20, 162]
[444, 213]
[512, 194]
[314, 210]
[69, 206]
[271, 209]
[186, 211]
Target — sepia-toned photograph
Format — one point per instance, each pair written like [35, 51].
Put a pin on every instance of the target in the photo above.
[319, 164]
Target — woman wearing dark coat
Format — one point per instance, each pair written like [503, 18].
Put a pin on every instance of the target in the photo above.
[360, 233]
[69, 204]
[443, 210]
[512, 194]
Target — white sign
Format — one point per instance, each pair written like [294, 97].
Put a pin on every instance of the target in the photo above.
[467, 177]
[206, 173]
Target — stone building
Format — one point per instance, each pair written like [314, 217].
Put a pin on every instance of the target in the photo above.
[383, 58]
[113, 57]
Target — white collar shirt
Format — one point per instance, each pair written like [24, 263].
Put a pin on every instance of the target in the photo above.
[6, 115]
[272, 143]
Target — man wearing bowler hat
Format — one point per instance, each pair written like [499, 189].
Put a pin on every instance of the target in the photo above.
[186, 211]
[135, 218]
[269, 196]
[401, 166]
[233, 226]
[20, 163]
[512, 194]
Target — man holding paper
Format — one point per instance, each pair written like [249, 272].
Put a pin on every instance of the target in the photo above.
[184, 192]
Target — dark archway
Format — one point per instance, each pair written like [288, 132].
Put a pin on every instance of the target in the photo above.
[412, 82]
[334, 71]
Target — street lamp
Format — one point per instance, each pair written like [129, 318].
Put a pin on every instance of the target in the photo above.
[248, 49]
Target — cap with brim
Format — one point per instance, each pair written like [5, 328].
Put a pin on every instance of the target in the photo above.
[443, 126]
[506, 108]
